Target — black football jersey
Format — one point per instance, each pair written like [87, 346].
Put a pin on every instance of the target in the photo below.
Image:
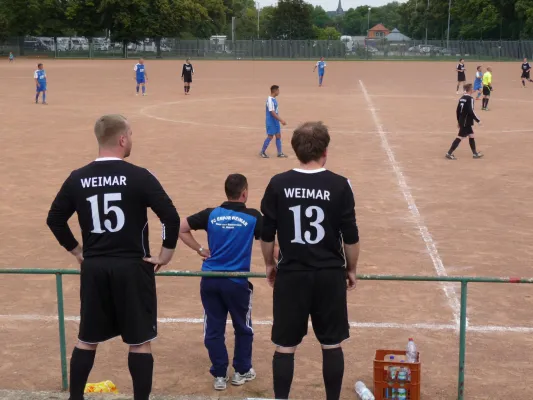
[187, 70]
[313, 213]
[465, 111]
[526, 67]
[111, 197]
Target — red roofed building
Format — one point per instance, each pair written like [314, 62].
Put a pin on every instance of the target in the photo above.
[378, 32]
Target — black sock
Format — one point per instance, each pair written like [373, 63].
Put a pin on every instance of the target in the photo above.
[333, 372]
[472, 142]
[81, 363]
[455, 144]
[487, 102]
[523, 83]
[188, 89]
[483, 102]
[185, 89]
[283, 371]
[457, 87]
[141, 367]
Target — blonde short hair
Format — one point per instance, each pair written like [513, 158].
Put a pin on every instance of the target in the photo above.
[108, 127]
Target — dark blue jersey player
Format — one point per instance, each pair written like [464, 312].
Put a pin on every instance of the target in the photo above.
[40, 81]
[141, 76]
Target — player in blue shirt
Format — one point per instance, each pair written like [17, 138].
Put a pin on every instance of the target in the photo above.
[478, 82]
[231, 229]
[141, 76]
[11, 57]
[40, 82]
[273, 123]
[321, 65]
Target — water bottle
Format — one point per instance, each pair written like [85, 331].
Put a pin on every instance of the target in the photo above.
[411, 352]
[363, 392]
[402, 394]
[392, 370]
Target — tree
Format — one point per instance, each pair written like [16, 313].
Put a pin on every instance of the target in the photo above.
[167, 18]
[88, 17]
[355, 21]
[291, 19]
[477, 17]
[22, 18]
[266, 22]
[320, 18]
[215, 21]
[329, 33]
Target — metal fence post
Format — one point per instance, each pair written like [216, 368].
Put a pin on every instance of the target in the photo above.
[62, 338]
[462, 342]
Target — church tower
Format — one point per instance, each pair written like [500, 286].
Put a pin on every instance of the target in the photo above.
[340, 11]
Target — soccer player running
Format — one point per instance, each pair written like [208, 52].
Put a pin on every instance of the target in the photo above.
[186, 76]
[140, 76]
[465, 119]
[231, 229]
[117, 290]
[321, 65]
[461, 76]
[478, 82]
[312, 211]
[487, 89]
[273, 123]
[40, 81]
[526, 71]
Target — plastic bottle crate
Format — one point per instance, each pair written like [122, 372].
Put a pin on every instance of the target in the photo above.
[382, 383]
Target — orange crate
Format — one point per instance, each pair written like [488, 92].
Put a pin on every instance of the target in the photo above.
[382, 384]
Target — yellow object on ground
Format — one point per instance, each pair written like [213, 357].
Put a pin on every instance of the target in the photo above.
[101, 387]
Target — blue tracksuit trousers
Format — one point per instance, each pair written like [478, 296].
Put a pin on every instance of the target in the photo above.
[221, 296]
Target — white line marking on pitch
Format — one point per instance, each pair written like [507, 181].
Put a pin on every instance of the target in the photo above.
[449, 291]
[357, 325]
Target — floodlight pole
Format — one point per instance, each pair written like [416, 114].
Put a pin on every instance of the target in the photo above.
[427, 12]
[258, 10]
[368, 30]
[448, 33]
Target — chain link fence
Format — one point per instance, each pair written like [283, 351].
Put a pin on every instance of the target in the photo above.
[221, 48]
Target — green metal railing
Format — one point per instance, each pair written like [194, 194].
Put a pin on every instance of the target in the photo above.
[463, 280]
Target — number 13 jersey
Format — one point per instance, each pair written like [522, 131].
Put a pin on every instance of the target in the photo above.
[313, 213]
[111, 197]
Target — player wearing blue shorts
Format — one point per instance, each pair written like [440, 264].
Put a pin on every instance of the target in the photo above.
[141, 76]
[478, 82]
[273, 123]
[40, 82]
[11, 57]
[321, 65]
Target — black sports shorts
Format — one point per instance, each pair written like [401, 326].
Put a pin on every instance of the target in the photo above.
[486, 91]
[525, 75]
[187, 78]
[464, 131]
[118, 297]
[320, 294]
[461, 77]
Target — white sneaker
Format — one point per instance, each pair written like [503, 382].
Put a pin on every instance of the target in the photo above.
[220, 383]
[239, 380]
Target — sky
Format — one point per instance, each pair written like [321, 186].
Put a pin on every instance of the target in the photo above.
[331, 5]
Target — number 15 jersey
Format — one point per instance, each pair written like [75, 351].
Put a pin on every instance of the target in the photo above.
[313, 213]
[111, 197]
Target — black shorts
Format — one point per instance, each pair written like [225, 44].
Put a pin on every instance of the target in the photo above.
[461, 77]
[486, 90]
[320, 294]
[525, 75]
[187, 78]
[118, 297]
[464, 131]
